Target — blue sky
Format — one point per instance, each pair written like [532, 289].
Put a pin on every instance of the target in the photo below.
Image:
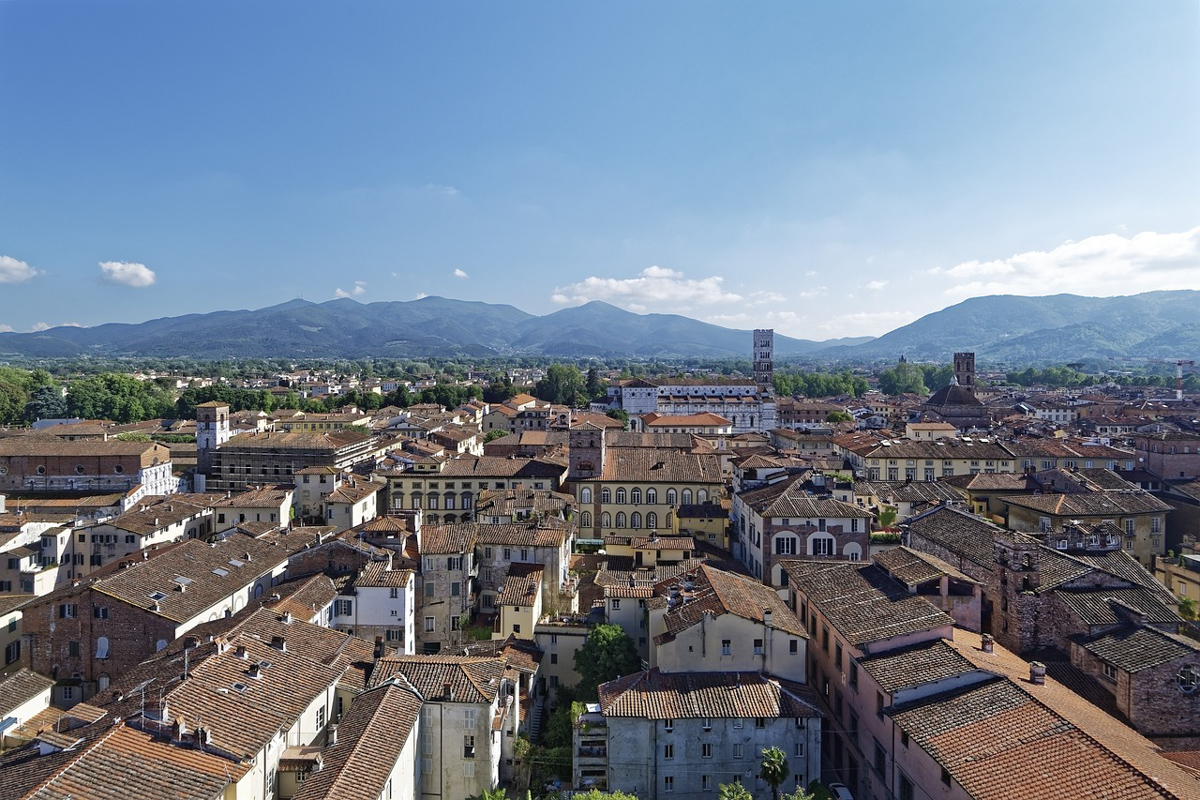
[826, 169]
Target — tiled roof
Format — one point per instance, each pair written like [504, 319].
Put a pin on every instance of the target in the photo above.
[448, 539]
[296, 440]
[497, 467]
[651, 542]
[1135, 648]
[961, 533]
[975, 450]
[1124, 566]
[912, 567]
[862, 601]
[154, 514]
[909, 491]
[789, 499]
[471, 680]
[544, 533]
[1096, 606]
[353, 491]
[302, 598]
[20, 687]
[49, 445]
[371, 736]
[912, 666]
[1103, 504]
[718, 592]
[379, 573]
[258, 497]
[521, 585]
[507, 502]
[618, 577]
[689, 695]
[200, 566]
[996, 745]
[654, 465]
[678, 420]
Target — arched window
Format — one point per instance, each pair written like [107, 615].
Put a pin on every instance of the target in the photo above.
[651, 496]
[585, 494]
[103, 681]
[605, 520]
[102, 647]
[605, 495]
[621, 496]
[449, 501]
[702, 496]
[620, 519]
[160, 645]
[466, 500]
[585, 519]
[635, 520]
[670, 497]
[635, 496]
[652, 520]
[687, 497]
[853, 551]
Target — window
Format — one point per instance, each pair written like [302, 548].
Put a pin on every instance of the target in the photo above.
[906, 788]
[837, 658]
[708, 723]
[621, 496]
[706, 750]
[67, 610]
[651, 496]
[793, 646]
[706, 783]
[760, 722]
[668, 751]
[100, 612]
[585, 519]
[455, 588]
[635, 520]
[651, 520]
[554, 658]
[758, 647]
[345, 608]
[668, 724]
[430, 588]
[101, 647]
[73, 648]
[799, 751]
[585, 494]
[738, 751]
[468, 745]
[1110, 672]
[320, 717]
[853, 674]
[12, 652]
[945, 776]
[671, 497]
[668, 783]
[606, 495]
[785, 545]
[605, 520]
[726, 647]
[429, 625]
[616, 604]
[620, 519]
[880, 758]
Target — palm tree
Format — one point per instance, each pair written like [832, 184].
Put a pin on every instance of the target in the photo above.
[733, 791]
[774, 769]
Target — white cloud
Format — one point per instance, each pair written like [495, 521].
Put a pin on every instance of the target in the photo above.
[39, 326]
[360, 288]
[875, 286]
[421, 295]
[127, 273]
[655, 288]
[863, 323]
[458, 273]
[6, 328]
[448, 191]
[13, 270]
[758, 298]
[1103, 265]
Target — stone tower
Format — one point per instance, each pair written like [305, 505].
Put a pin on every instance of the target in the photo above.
[212, 431]
[764, 360]
[587, 451]
[964, 371]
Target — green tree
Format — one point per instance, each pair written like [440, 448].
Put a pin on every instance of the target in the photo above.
[733, 791]
[773, 769]
[46, 402]
[619, 414]
[594, 385]
[1187, 608]
[838, 416]
[596, 794]
[494, 434]
[563, 384]
[490, 794]
[903, 378]
[607, 654]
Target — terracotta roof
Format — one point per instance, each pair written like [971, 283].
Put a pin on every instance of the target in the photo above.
[497, 467]
[20, 687]
[544, 533]
[296, 440]
[1102, 504]
[862, 601]
[919, 664]
[371, 737]
[379, 573]
[448, 539]
[303, 597]
[912, 567]
[1135, 648]
[1100, 606]
[521, 585]
[1005, 739]
[471, 680]
[199, 565]
[718, 592]
[789, 499]
[259, 497]
[48, 445]
[689, 695]
[654, 465]
[154, 514]
[961, 533]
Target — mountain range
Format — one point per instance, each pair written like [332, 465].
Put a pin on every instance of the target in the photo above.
[999, 329]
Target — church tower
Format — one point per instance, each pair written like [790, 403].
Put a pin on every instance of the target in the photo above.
[764, 363]
[586, 451]
[964, 371]
[212, 431]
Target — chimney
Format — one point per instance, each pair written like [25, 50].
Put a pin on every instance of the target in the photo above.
[1037, 673]
[279, 644]
[448, 691]
[987, 643]
[254, 671]
[767, 617]
[331, 737]
[286, 618]
[191, 642]
[178, 729]
[240, 652]
[380, 649]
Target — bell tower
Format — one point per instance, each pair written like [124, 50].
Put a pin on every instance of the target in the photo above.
[764, 360]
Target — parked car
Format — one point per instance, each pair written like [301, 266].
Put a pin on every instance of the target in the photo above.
[840, 791]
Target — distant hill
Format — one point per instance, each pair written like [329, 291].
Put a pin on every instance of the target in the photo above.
[1059, 328]
[429, 327]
